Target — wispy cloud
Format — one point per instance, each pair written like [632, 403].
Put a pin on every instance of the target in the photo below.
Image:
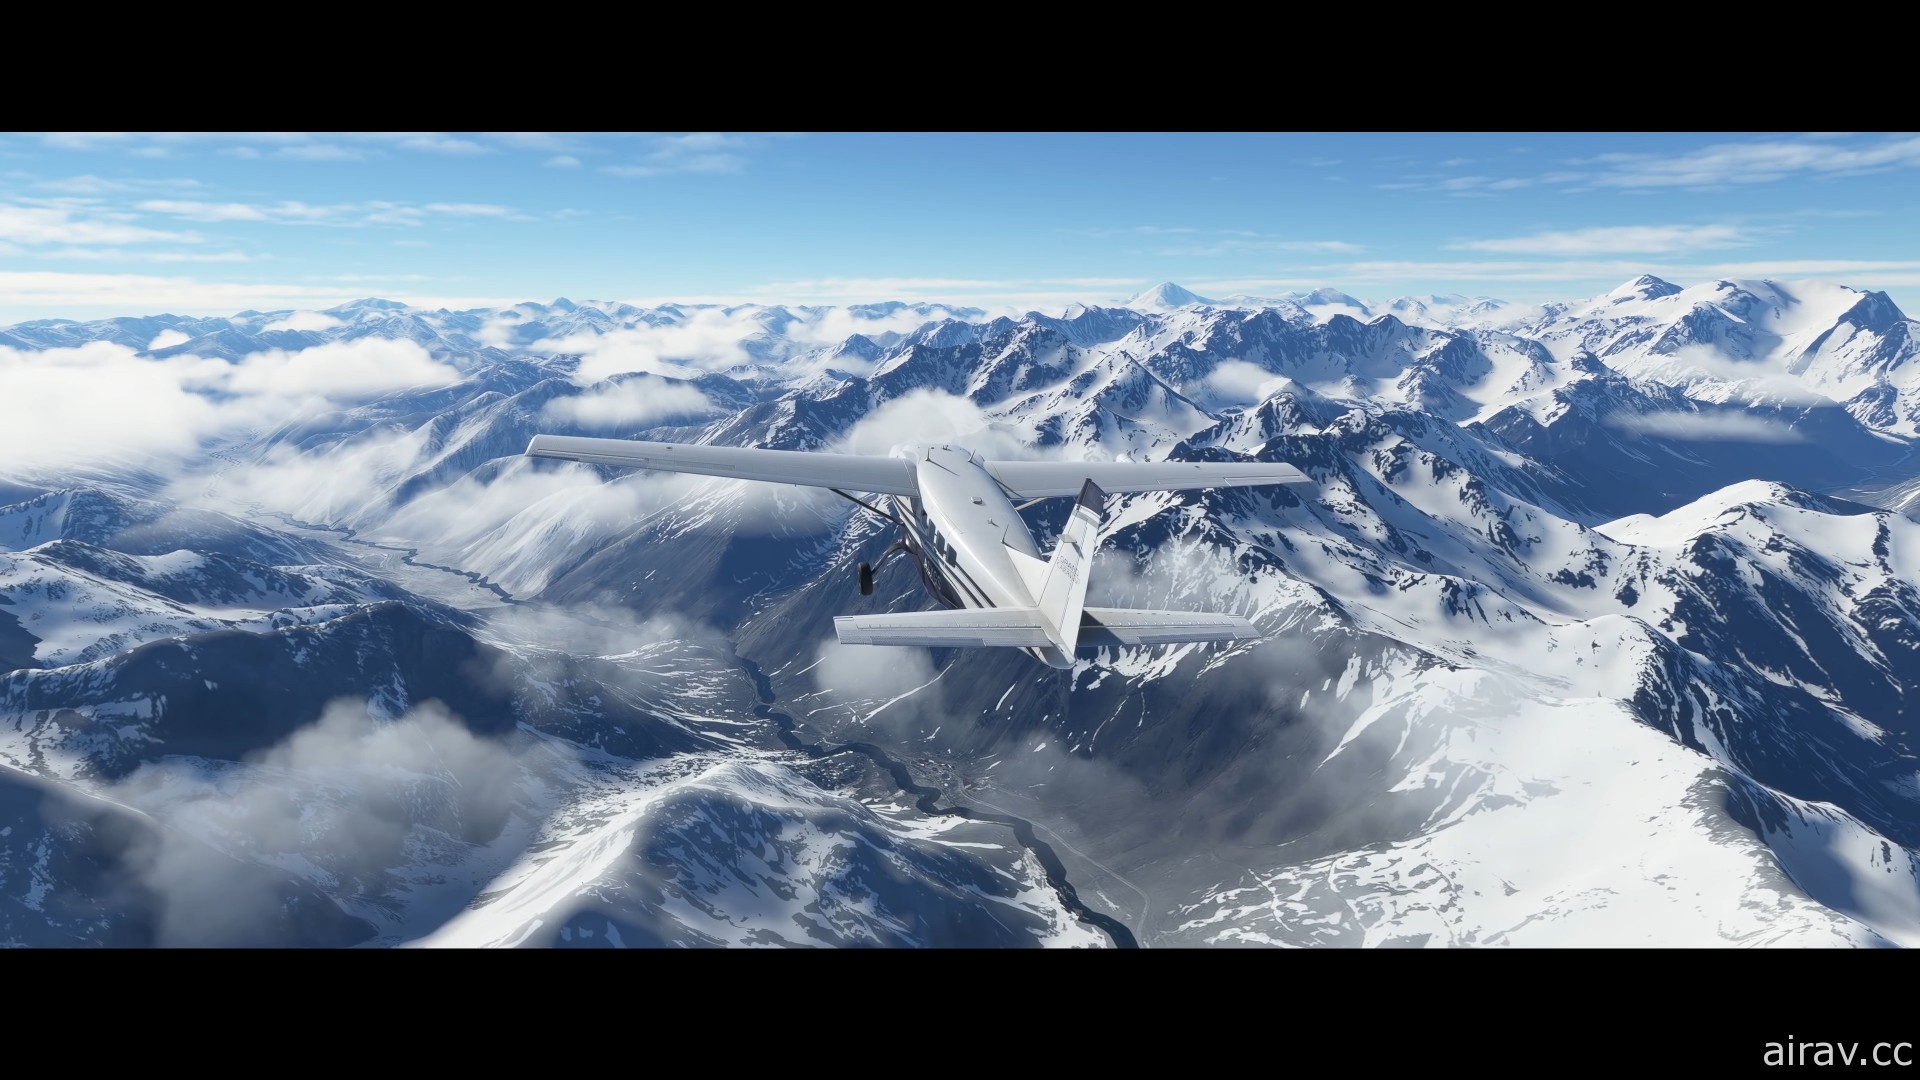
[698, 152]
[1755, 162]
[289, 212]
[321, 152]
[306, 145]
[1719, 165]
[1616, 240]
[133, 294]
[444, 144]
[563, 161]
[59, 225]
[637, 402]
[146, 256]
[1245, 246]
[1708, 427]
[91, 185]
[1217, 241]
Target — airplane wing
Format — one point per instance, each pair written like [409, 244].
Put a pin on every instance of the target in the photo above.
[854, 472]
[1042, 479]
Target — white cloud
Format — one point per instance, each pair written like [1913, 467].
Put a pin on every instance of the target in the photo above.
[304, 320]
[932, 416]
[321, 152]
[871, 672]
[100, 402]
[1754, 163]
[1240, 381]
[1708, 427]
[198, 210]
[469, 209]
[698, 152]
[36, 294]
[708, 340]
[344, 795]
[167, 339]
[1241, 246]
[563, 161]
[1616, 240]
[637, 402]
[341, 370]
[119, 256]
[107, 403]
[444, 144]
[50, 225]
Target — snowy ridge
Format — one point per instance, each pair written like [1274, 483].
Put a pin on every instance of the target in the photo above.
[1634, 569]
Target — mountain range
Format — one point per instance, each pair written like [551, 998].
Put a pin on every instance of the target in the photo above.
[1599, 623]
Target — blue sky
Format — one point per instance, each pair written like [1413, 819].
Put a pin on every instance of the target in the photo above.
[100, 224]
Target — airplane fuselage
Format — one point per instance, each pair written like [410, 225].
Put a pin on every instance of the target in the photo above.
[966, 535]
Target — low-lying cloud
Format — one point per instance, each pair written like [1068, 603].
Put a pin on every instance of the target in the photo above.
[1708, 427]
[69, 408]
[932, 416]
[347, 799]
[634, 402]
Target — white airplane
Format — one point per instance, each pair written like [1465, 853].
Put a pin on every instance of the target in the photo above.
[958, 520]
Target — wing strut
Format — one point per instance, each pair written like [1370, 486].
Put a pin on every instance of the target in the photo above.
[868, 507]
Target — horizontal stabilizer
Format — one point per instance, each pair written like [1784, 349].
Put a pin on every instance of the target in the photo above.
[967, 627]
[854, 472]
[1024, 628]
[1139, 626]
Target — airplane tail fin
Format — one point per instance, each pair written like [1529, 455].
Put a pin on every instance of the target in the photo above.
[1064, 591]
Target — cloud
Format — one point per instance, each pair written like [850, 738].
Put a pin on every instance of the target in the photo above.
[563, 161]
[1754, 162]
[120, 256]
[1715, 166]
[699, 152]
[872, 673]
[1238, 380]
[167, 339]
[932, 416]
[468, 209]
[50, 225]
[72, 408]
[1707, 427]
[101, 402]
[1233, 246]
[349, 799]
[341, 370]
[709, 340]
[1616, 240]
[295, 212]
[321, 152]
[444, 144]
[198, 210]
[45, 294]
[304, 320]
[632, 403]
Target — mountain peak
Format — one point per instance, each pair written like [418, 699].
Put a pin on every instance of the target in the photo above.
[1645, 287]
[1166, 295]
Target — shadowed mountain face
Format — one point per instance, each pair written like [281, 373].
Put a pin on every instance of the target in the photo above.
[1634, 570]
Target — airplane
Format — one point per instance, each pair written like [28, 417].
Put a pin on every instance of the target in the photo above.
[958, 521]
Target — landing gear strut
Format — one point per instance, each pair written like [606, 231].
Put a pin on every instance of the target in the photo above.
[866, 569]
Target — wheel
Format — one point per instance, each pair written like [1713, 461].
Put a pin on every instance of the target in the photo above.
[866, 579]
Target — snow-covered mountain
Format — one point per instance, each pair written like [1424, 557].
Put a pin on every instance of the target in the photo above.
[1599, 623]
